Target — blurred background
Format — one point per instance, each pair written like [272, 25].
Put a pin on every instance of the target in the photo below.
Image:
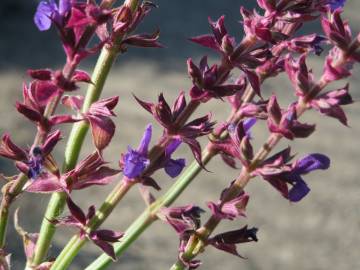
[321, 232]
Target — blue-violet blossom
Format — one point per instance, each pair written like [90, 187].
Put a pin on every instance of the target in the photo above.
[136, 161]
[335, 4]
[48, 11]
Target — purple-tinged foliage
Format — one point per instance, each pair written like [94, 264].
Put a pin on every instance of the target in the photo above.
[102, 127]
[35, 98]
[303, 44]
[124, 21]
[10, 150]
[337, 31]
[85, 15]
[5, 260]
[78, 219]
[227, 241]
[72, 20]
[143, 40]
[210, 82]
[229, 209]
[29, 239]
[333, 72]
[190, 265]
[170, 119]
[89, 172]
[285, 122]
[58, 79]
[267, 49]
[246, 56]
[237, 146]
[339, 34]
[31, 162]
[330, 103]
[298, 73]
[183, 219]
[280, 174]
[99, 116]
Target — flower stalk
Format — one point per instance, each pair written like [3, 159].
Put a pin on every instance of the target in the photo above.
[77, 136]
[196, 244]
[269, 47]
[22, 179]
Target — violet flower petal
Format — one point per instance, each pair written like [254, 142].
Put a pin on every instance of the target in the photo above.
[298, 191]
[249, 123]
[312, 162]
[174, 167]
[42, 17]
[135, 163]
[171, 148]
[64, 6]
[145, 141]
[335, 4]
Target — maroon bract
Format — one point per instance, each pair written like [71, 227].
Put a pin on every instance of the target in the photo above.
[169, 118]
[184, 219]
[210, 82]
[237, 146]
[285, 122]
[98, 115]
[89, 172]
[102, 238]
[229, 209]
[31, 162]
[227, 241]
[36, 96]
[330, 103]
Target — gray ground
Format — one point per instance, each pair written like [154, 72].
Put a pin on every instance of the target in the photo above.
[321, 232]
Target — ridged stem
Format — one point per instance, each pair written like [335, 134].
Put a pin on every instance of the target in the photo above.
[72, 152]
[77, 136]
[149, 215]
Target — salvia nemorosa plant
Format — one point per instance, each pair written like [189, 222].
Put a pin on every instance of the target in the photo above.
[271, 45]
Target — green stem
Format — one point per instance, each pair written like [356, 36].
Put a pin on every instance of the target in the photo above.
[10, 192]
[73, 147]
[149, 215]
[73, 247]
[57, 202]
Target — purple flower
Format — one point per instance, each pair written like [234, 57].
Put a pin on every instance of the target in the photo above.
[280, 175]
[89, 172]
[31, 162]
[171, 119]
[136, 161]
[285, 122]
[35, 163]
[330, 103]
[173, 167]
[335, 4]
[48, 11]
